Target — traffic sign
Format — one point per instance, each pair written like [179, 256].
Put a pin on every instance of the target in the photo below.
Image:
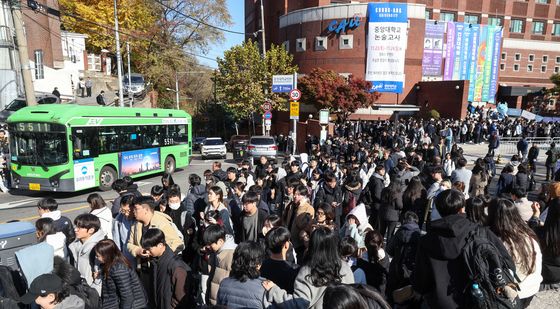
[267, 106]
[268, 115]
[294, 110]
[267, 122]
[295, 95]
[282, 83]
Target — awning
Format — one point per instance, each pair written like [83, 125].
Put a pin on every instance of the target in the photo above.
[516, 91]
[396, 107]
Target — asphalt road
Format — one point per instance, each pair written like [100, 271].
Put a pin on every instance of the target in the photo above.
[22, 204]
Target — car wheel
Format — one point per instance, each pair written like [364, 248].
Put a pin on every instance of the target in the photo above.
[107, 176]
[169, 164]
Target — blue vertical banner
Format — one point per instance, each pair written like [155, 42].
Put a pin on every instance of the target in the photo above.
[496, 57]
[386, 46]
[467, 38]
[471, 59]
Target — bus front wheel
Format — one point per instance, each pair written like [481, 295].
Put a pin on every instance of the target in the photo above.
[169, 164]
[107, 176]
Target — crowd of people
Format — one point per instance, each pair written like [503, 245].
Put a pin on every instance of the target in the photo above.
[382, 215]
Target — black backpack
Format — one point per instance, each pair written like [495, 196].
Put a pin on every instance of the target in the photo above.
[493, 272]
[12, 286]
[88, 294]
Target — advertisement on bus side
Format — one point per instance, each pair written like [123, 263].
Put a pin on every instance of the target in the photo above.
[139, 161]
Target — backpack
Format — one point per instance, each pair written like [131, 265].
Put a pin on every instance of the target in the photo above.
[192, 283]
[88, 294]
[493, 272]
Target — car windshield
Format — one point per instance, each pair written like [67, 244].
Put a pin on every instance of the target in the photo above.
[38, 144]
[135, 79]
[213, 142]
[262, 141]
[16, 105]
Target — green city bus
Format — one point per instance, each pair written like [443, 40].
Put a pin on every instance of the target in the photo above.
[66, 147]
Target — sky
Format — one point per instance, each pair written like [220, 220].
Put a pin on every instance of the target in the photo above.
[238, 18]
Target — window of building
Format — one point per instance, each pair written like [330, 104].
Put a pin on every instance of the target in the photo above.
[538, 27]
[556, 29]
[556, 70]
[543, 68]
[321, 43]
[543, 1]
[504, 55]
[502, 66]
[94, 62]
[446, 16]
[516, 67]
[471, 19]
[301, 44]
[494, 21]
[531, 58]
[557, 59]
[529, 68]
[39, 68]
[516, 26]
[346, 41]
[428, 14]
[517, 57]
[545, 58]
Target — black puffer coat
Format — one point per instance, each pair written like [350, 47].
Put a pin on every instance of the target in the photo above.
[122, 289]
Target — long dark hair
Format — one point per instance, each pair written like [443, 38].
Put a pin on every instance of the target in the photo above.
[247, 258]
[475, 210]
[323, 257]
[46, 226]
[414, 190]
[373, 241]
[504, 220]
[480, 168]
[391, 193]
[551, 229]
[111, 255]
[343, 297]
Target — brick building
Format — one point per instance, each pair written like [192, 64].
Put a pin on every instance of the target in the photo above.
[530, 50]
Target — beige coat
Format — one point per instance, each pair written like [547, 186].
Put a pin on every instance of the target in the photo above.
[160, 221]
[304, 216]
[224, 258]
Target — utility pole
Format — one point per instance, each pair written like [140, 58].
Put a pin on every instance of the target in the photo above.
[23, 53]
[119, 59]
[177, 90]
[131, 97]
[262, 28]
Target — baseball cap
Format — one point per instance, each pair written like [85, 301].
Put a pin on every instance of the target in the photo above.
[42, 286]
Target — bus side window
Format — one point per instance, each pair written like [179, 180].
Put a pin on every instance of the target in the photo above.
[85, 143]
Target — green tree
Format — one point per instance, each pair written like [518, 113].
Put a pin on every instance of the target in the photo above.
[244, 78]
[328, 89]
[555, 79]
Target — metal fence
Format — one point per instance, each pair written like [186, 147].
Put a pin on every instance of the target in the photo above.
[508, 145]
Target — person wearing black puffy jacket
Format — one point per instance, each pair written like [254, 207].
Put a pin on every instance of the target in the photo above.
[121, 286]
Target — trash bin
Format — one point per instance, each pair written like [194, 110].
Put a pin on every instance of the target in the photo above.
[239, 151]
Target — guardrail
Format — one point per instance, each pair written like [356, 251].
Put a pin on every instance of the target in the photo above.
[508, 145]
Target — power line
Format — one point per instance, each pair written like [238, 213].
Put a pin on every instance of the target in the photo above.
[202, 22]
[127, 33]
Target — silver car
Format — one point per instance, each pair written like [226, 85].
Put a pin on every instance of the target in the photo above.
[213, 147]
[262, 146]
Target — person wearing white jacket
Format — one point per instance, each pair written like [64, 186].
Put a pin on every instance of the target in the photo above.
[45, 231]
[100, 210]
[521, 242]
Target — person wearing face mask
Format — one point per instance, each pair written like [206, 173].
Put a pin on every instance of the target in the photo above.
[183, 220]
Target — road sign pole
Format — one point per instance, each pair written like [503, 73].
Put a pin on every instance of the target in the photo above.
[295, 121]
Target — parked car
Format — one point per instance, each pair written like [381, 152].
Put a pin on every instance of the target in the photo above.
[213, 147]
[197, 143]
[19, 103]
[262, 146]
[237, 139]
[137, 85]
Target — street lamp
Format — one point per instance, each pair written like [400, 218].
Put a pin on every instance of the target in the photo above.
[119, 59]
[177, 83]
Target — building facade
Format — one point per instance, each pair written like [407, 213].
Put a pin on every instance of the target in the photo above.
[530, 51]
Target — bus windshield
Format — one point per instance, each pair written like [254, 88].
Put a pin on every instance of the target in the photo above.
[34, 146]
